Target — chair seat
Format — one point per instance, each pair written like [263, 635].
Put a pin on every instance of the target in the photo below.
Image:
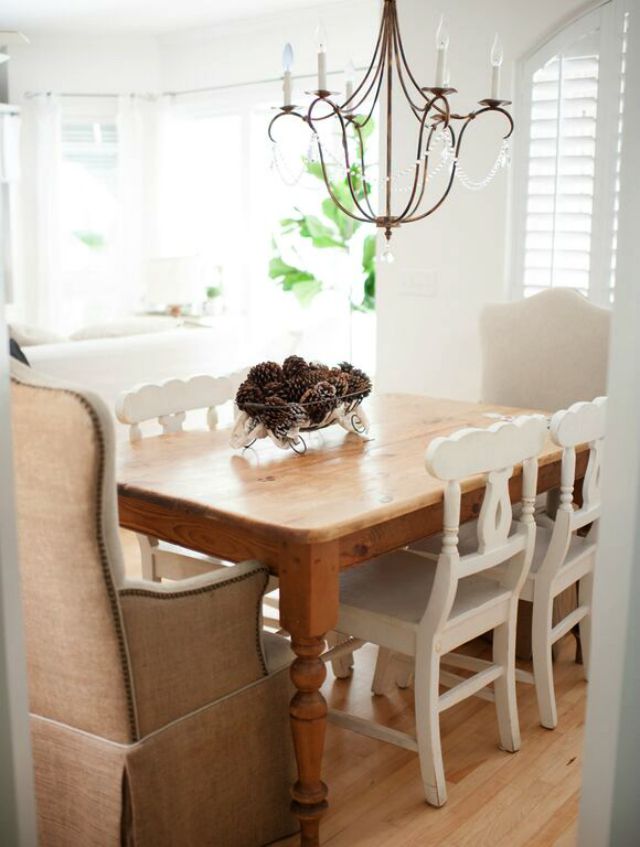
[468, 542]
[396, 587]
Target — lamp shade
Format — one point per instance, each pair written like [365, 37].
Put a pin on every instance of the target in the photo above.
[174, 281]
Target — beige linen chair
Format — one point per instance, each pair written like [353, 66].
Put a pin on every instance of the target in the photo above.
[409, 604]
[545, 352]
[159, 712]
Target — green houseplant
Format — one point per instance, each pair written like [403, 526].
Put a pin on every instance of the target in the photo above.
[329, 229]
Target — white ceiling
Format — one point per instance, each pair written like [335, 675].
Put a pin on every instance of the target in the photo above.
[135, 15]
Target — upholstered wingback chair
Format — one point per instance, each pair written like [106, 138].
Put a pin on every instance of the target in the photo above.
[545, 352]
[158, 711]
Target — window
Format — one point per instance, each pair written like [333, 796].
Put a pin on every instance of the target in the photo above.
[89, 216]
[568, 159]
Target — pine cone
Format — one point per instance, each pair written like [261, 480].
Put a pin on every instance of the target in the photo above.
[319, 401]
[297, 385]
[248, 394]
[359, 384]
[346, 367]
[319, 371]
[340, 382]
[277, 416]
[264, 373]
[294, 365]
[298, 411]
[276, 389]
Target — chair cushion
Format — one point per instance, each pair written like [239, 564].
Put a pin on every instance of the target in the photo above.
[468, 543]
[398, 585]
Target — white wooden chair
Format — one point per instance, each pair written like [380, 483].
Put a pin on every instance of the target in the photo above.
[562, 557]
[409, 604]
[169, 402]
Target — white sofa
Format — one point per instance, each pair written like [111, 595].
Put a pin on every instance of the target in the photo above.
[110, 366]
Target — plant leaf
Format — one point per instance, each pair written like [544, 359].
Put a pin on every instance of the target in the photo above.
[306, 290]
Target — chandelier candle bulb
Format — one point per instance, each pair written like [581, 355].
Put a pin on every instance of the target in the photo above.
[287, 64]
[442, 45]
[350, 75]
[497, 56]
[321, 37]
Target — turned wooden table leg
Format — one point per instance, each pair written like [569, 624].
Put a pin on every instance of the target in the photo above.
[308, 711]
[309, 589]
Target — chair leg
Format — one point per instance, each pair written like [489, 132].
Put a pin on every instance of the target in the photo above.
[343, 666]
[405, 668]
[427, 677]
[543, 660]
[148, 546]
[504, 688]
[385, 672]
[585, 592]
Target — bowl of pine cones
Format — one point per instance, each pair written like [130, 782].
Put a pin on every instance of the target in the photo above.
[282, 401]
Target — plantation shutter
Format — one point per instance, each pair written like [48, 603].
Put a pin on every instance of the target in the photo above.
[561, 170]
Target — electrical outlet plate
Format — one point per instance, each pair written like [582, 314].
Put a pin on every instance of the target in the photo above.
[419, 282]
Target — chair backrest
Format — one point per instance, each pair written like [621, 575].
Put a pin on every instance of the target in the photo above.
[545, 352]
[582, 423]
[492, 453]
[170, 401]
[70, 557]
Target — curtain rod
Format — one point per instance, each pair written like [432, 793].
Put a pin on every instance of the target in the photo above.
[186, 92]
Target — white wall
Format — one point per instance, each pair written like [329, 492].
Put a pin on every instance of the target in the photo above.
[429, 343]
[84, 63]
[251, 50]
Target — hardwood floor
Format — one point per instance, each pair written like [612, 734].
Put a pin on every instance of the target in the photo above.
[496, 799]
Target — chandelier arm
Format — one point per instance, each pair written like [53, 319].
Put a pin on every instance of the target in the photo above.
[364, 170]
[335, 112]
[378, 80]
[403, 56]
[281, 114]
[437, 205]
[415, 108]
[472, 116]
[327, 182]
[419, 200]
[420, 161]
[370, 69]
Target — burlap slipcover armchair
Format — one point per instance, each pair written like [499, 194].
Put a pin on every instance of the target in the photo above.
[159, 711]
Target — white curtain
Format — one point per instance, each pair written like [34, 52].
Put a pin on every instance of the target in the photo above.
[43, 294]
[135, 161]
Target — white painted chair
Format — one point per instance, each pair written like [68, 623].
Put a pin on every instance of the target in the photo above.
[169, 402]
[562, 557]
[409, 604]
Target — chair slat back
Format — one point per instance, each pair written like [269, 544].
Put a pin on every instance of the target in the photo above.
[169, 401]
[582, 423]
[493, 453]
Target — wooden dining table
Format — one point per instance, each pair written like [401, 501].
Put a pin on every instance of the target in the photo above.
[308, 517]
